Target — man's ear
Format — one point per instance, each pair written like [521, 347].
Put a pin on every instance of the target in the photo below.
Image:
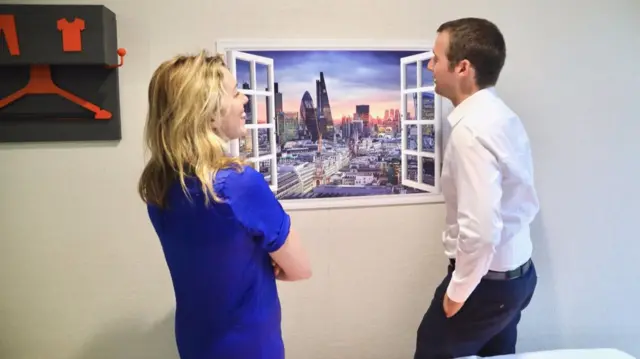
[464, 68]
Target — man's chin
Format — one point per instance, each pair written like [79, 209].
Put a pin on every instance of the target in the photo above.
[440, 92]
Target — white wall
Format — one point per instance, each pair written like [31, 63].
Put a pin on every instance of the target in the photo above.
[83, 276]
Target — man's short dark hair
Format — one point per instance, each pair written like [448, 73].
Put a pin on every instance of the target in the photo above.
[481, 43]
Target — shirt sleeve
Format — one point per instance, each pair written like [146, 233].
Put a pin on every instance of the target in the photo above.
[479, 192]
[255, 206]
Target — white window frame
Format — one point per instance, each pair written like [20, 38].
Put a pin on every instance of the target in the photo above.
[234, 146]
[242, 45]
[405, 123]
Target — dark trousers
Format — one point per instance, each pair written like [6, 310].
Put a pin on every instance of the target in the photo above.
[485, 326]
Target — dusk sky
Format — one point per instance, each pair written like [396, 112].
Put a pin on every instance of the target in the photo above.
[352, 78]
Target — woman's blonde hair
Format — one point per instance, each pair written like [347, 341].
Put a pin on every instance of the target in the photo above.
[186, 100]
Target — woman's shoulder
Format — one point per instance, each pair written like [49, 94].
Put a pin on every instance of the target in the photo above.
[236, 172]
[230, 183]
[236, 179]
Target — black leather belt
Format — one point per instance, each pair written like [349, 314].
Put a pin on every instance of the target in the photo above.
[493, 275]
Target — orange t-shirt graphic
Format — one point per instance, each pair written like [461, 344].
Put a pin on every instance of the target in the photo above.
[71, 34]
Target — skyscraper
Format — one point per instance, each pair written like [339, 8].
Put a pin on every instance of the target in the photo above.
[309, 118]
[363, 113]
[324, 107]
[247, 106]
[279, 113]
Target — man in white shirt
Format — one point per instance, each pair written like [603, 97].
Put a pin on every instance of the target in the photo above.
[487, 183]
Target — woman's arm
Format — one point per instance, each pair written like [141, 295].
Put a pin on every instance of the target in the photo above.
[291, 259]
[259, 211]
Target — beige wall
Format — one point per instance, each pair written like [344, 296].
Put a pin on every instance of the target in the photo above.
[83, 277]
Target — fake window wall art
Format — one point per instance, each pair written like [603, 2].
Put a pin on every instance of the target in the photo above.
[338, 122]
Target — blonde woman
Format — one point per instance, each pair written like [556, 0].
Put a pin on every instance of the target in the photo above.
[225, 236]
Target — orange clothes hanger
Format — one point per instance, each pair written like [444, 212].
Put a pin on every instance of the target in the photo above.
[41, 83]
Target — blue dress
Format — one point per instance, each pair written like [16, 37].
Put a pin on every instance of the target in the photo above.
[227, 304]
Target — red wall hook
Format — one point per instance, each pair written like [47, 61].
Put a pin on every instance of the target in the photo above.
[121, 53]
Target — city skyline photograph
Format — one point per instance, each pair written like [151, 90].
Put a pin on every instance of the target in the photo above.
[338, 128]
[352, 78]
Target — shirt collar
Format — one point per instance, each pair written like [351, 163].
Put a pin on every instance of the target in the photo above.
[467, 105]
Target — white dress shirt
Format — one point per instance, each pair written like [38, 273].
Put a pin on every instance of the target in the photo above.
[487, 183]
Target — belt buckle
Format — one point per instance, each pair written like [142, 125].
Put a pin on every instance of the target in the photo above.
[513, 274]
[520, 271]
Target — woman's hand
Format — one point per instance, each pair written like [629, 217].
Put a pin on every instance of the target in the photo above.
[276, 269]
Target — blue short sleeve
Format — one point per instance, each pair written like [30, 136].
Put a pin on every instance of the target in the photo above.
[254, 205]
